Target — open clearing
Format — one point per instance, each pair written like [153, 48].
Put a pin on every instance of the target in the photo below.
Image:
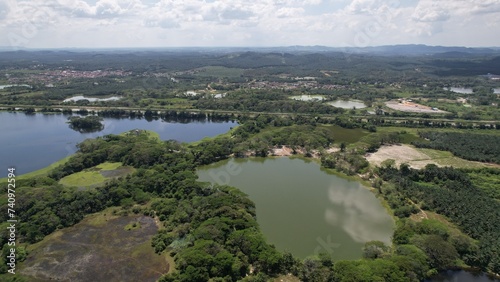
[346, 135]
[149, 133]
[95, 176]
[98, 249]
[412, 107]
[419, 158]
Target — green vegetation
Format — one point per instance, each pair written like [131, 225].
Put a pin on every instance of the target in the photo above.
[111, 166]
[95, 176]
[220, 72]
[83, 179]
[132, 226]
[187, 209]
[151, 134]
[449, 192]
[107, 245]
[470, 146]
[86, 124]
[349, 162]
[487, 180]
[211, 231]
[260, 101]
[346, 135]
[446, 158]
[39, 173]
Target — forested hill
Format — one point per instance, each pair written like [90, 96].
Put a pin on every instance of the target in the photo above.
[465, 61]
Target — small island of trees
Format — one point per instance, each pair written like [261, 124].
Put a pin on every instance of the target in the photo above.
[86, 124]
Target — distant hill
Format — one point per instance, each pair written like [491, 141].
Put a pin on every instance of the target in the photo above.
[387, 50]
[418, 50]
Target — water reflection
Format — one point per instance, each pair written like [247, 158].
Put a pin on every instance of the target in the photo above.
[35, 141]
[348, 104]
[308, 97]
[304, 210]
[461, 90]
[80, 98]
[359, 214]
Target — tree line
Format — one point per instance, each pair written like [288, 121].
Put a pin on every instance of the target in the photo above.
[470, 146]
[211, 230]
[451, 192]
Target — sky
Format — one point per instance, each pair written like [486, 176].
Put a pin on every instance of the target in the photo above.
[247, 23]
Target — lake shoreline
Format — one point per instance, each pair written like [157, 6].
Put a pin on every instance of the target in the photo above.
[342, 209]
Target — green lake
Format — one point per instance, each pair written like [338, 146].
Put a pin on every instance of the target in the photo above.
[303, 209]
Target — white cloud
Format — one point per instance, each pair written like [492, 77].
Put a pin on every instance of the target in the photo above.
[251, 22]
[4, 10]
[428, 11]
[101, 9]
[289, 12]
[371, 6]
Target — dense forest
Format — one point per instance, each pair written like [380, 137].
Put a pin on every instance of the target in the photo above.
[470, 146]
[451, 192]
[210, 217]
[211, 230]
[265, 102]
[86, 124]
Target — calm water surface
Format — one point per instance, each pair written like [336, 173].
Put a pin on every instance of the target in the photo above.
[31, 142]
[308, 97]
[461, 276]
[460, 90]
[3, 86]
[303, 209]
[348, 104]
[78, 98]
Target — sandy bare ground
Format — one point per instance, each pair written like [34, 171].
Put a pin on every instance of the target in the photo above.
[285, 151]
[412, 107]
[400, 154]
[419, 158]
[332, 150]
[281, 152]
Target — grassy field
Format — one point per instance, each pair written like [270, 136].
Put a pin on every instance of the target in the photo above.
[346, 135]
[150, 133]
[445, 158]
[41, 172]
[83, 179]
[99, 248]
[95, 176]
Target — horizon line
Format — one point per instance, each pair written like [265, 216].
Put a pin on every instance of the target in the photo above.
[18, 48]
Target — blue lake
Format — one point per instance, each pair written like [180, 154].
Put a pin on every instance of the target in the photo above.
[31, 142]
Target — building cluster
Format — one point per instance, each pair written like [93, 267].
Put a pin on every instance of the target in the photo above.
[60, 74]
[49, 77]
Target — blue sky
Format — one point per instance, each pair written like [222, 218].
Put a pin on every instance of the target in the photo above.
[178, 23]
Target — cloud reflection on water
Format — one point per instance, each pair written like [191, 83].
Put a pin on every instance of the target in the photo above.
[359, 213]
